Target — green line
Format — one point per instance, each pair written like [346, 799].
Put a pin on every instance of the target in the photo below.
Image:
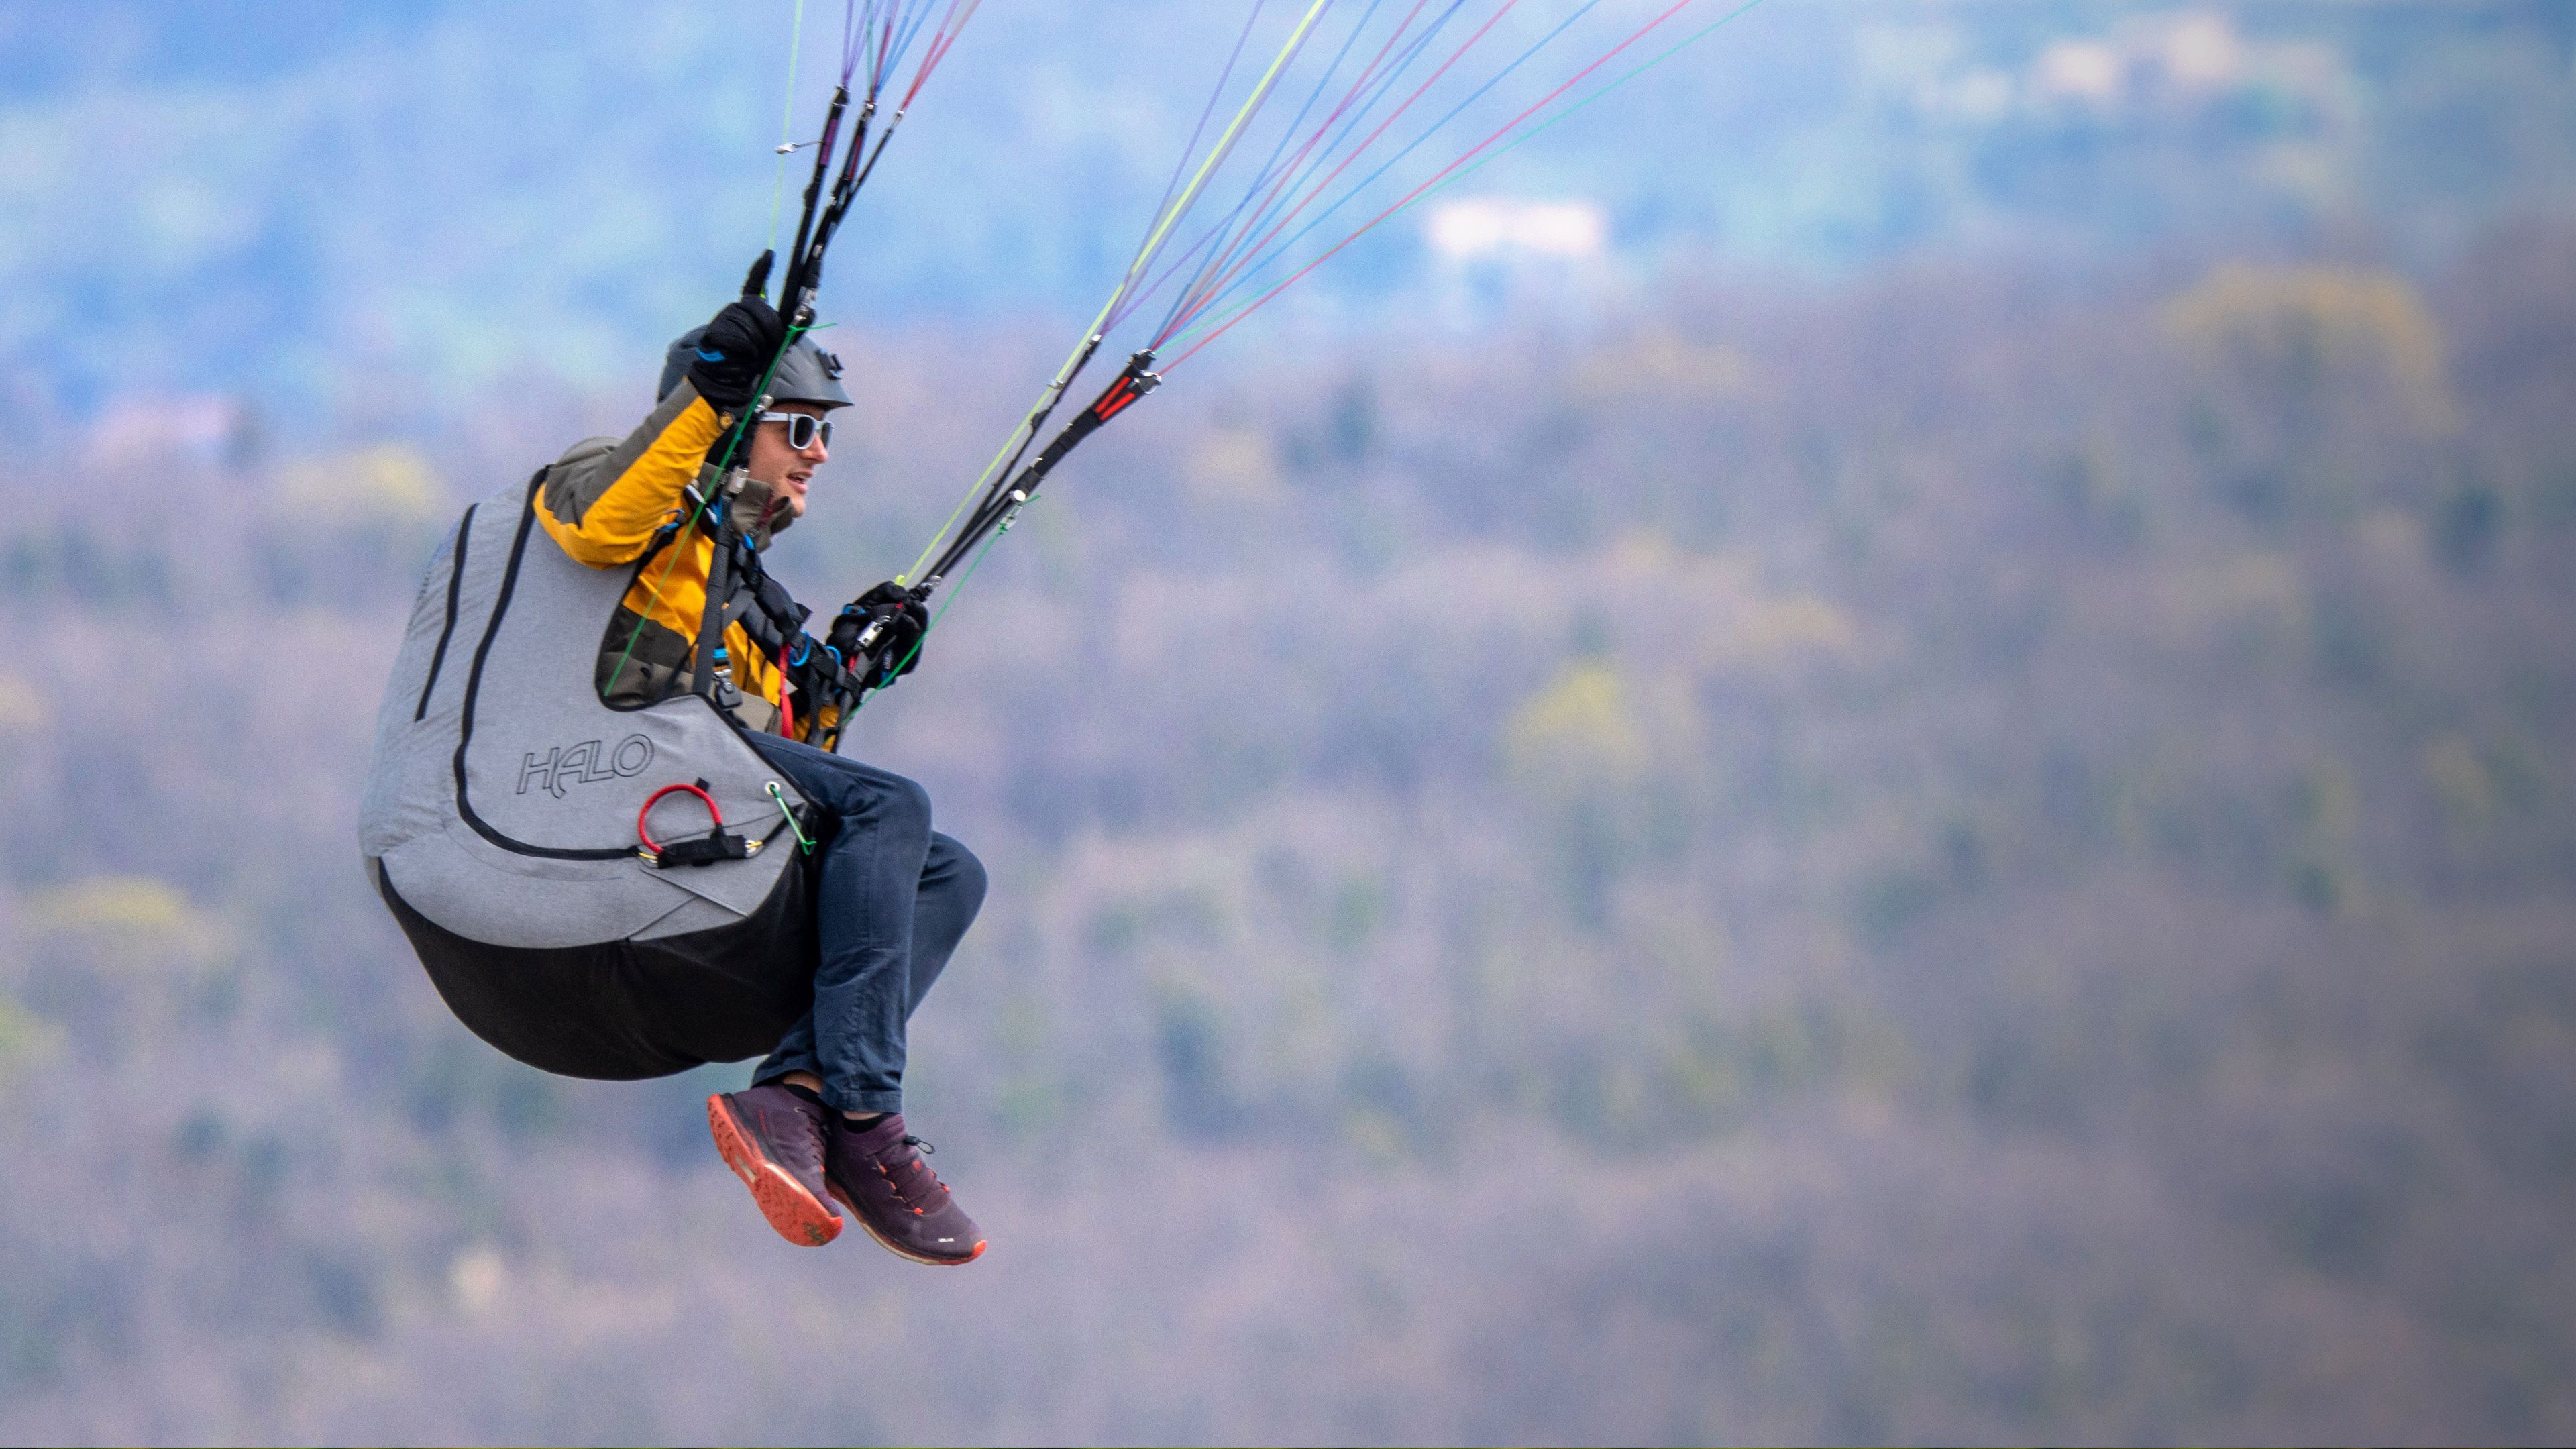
[680, 542]
[786, 128]
[1224, 144]
[945, 605]
[1201, 327]
[793, 828]
[1462, 174]
[1054, 390]
[951, 601]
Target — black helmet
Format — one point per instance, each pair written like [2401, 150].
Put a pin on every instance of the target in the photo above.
[807, 374]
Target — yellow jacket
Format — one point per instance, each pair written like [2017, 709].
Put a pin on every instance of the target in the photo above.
[603, 503]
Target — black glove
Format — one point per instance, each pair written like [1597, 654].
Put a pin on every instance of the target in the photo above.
[734, 353]
[898, 643]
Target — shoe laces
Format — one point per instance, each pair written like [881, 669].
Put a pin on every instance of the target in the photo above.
[925, 1179]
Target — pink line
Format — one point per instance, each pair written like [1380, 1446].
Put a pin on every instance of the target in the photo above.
[950, 26]
[1435, 180]
[1318, 189]
[1289, 171]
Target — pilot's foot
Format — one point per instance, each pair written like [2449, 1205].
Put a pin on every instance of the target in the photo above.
[878, 1175]
[773, 1139]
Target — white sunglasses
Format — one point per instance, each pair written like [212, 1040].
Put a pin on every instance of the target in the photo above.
[802, 429]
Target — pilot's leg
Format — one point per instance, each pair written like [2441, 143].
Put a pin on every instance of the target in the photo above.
[952, 891]
[874, 848]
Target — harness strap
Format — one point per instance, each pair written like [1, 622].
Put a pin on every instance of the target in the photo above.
[711, 622]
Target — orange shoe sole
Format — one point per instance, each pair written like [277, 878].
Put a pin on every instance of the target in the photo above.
[798, 1215]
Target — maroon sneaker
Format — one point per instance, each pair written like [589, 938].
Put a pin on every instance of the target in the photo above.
[878, 1176]
[773, 1140]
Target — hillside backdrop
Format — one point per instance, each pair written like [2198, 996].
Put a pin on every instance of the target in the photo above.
[1928, 796]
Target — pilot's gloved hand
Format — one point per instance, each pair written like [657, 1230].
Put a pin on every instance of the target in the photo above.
[898, 643]
[735, 351]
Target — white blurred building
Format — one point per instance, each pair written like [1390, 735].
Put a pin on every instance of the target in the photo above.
[1498, 256]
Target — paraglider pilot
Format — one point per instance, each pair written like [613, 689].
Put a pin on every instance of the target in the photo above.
[822, 1123]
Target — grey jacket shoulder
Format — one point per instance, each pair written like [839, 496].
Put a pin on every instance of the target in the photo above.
[575, 480]
[587, 468]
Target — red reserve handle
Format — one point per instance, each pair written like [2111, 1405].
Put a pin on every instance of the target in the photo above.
[650, 847]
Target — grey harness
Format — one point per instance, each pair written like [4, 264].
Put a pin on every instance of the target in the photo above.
[503, 797]
[501, 826]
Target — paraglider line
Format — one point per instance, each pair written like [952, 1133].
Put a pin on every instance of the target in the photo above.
[1460, 169]
[1270, 254]
[1268, 167]
[945, 605]
[1017, 445]
[1390, 120]
[1384, 84]
[1199, 295]
[803, 844]
[786, 124]
[1215, 93]
[1276, 178]
[1198, 334]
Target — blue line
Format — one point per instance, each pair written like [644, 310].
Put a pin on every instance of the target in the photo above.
[910, 33]
[1271, 256]
[1383, 85]
[1285, 136]
[1323, 155]
[1316, 160]
[1156, 220]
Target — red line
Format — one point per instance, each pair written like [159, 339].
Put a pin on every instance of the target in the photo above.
[1318, 189]
[1252, 215]
[1216, 258]
[937, 52]
[1435, 180]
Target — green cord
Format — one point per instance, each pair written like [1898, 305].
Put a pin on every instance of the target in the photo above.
[1201, 327]
[738, 432]
[1170, 218]
[951, 601]
[945, 605]
[793, 828]
[1531, 134]
[786, 124]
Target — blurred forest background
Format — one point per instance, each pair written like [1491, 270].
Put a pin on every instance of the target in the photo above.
[1926, 798]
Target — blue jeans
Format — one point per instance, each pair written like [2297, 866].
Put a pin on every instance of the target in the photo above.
[892, 899]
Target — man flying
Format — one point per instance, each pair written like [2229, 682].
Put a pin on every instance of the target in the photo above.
[822, 1122]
